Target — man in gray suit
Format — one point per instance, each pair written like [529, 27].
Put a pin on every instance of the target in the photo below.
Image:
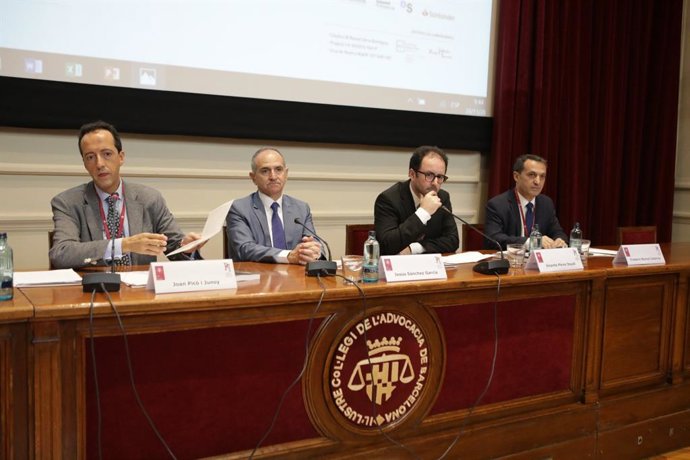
[145, 228]
[261, 227]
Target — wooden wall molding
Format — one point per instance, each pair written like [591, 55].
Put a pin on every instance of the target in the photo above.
[47, 169]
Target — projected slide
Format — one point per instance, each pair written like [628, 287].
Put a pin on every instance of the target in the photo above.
[429, 56]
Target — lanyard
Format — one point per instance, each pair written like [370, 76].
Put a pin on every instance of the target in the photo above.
[121, 225]
[526, 230]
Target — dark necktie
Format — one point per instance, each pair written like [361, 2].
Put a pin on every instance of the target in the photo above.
[529, 218]
[113, 221]
[277, 230]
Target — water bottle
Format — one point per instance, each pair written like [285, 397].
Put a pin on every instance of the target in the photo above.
[535, 238]
[576, 237]
[370, 270]
[6, 268]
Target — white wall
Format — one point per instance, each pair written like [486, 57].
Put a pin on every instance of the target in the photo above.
[340, 182]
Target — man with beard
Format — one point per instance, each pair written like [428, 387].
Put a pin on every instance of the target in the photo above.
[408, 217]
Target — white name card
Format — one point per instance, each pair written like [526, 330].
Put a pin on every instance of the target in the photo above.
[554, 260]
[191, 275]
[639, 254]
[412, 267]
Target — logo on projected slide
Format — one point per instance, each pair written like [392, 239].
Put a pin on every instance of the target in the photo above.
[379, 369]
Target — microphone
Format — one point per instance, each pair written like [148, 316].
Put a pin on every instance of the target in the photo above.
[486, 267]
[319, 267]
[103, 281]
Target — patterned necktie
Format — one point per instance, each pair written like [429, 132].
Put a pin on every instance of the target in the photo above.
[529, 218]
[113, 221]
[278, 233]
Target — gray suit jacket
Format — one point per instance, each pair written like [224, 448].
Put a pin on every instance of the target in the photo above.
[247, 227]
[78, 238]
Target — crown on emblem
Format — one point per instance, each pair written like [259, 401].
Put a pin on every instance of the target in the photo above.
[385, 344]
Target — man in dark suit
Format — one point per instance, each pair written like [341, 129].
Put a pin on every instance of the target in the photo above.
[261, 227]
[407, 216]
[145, 226]
[510, 216]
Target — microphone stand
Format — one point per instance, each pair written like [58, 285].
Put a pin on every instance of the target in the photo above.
[103, 281]
[486, 267]
[319, 267]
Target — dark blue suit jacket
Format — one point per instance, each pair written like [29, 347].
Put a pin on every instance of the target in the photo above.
[503, 222]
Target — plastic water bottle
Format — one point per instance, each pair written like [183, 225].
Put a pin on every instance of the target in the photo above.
[535, 238]
[370, 269]
[576, 237]
[6, 268]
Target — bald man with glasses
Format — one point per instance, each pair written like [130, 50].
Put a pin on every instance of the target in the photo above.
[408, 216]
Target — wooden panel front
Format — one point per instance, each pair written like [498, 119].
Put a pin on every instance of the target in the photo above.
[585, 355]
[636, 331]
[14, 398]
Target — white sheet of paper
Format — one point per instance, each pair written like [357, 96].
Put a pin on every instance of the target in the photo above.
[135, 278]
[46, 278]
[465, 258]
[602, 252]
[213, 225]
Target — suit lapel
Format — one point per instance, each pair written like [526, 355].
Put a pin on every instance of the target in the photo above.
[406, 198]
[515, 214]
[260, 214]
[92, 213]
[134, 210]
[293, 232]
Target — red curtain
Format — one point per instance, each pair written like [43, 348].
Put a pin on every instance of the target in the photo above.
[592, 86]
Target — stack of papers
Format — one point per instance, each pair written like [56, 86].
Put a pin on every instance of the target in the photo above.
[47, 278]
[602, 252]
[464, 258]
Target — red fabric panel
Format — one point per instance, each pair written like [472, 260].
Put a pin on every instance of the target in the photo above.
[208, 391]
[633, 237]
[592, 86]
[535, 346]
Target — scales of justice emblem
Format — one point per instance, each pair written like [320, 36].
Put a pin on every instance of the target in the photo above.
[379, 373]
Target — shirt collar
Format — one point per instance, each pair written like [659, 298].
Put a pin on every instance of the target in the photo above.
[104, 195]
[267, 201]
[524, 201]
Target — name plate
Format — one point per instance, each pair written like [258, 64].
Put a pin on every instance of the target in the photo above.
[191, 275]
[554, 260]
[639, 254]
[412, 267]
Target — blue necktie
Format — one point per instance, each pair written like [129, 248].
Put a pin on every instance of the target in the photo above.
[529, 218]
[278, 233]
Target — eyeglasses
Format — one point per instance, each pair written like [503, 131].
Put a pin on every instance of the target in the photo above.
[429, 176]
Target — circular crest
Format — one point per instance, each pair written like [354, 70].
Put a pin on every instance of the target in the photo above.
[381, 372]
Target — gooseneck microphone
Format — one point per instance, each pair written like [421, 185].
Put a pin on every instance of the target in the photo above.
[486, 267]
[319, 267]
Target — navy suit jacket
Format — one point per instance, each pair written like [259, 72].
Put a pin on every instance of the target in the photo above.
[249, 238]
[397, 225]
[503, 222]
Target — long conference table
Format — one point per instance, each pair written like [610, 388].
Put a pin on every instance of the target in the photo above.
[593, 363]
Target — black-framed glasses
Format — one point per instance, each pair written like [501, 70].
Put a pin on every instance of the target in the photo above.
[429, 176]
